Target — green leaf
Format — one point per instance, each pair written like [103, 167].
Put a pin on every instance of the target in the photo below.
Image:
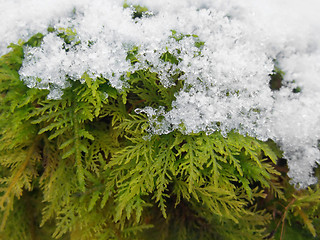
[66, 143]
[93, 200]
[69, 153]
[85, 134]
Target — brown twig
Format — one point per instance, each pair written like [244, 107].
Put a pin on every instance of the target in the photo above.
[135, 104]
[286, 209]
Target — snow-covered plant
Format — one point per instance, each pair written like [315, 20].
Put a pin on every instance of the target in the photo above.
[165, 121]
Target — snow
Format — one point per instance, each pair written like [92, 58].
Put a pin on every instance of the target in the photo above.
[226, 86]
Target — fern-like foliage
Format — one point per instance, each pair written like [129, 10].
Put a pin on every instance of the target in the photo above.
[86, 167]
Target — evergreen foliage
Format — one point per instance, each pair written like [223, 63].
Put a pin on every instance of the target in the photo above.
[86, 167]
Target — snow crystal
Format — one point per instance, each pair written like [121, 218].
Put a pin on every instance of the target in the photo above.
[226, 79]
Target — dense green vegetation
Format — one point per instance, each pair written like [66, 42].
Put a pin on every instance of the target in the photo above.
[86, 167]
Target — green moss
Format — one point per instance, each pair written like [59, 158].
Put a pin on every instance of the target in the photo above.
[87, 167]
[138, 12]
